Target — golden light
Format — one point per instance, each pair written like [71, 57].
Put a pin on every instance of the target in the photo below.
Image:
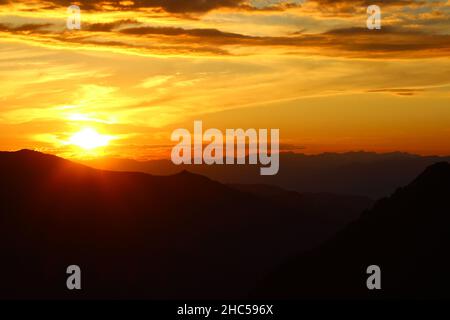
[89, 139]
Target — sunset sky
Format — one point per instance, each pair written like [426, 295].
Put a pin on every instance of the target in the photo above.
[139, 69]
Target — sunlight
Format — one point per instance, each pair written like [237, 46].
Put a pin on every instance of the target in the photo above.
[89, 139]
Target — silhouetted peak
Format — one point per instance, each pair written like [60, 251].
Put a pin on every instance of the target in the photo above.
[23, 152]
[31, 153]
[28, 151]
[185, 174]
[34, 162]
[436, 174]
[438, 166]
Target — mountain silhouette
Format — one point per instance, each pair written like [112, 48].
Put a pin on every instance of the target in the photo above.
[407, 235]
[369, 174]
[136, 235]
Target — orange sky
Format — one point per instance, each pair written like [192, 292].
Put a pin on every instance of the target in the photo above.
[139, 69]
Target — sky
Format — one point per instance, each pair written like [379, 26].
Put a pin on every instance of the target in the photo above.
[137, 70]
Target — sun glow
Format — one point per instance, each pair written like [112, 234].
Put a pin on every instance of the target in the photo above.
[89, 139]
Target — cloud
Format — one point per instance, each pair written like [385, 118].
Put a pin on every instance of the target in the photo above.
[389, 42]
[30, 27]
[171, 6]
[352, 6]
[109, 26]
[171, 31]
[399, 91]
[346, 42]
[366, 3]
[174, 6]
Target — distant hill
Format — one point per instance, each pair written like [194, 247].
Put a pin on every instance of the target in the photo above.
[407, 235]
[136, 235]
[362, 173]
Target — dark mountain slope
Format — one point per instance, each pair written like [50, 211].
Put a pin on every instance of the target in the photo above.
[369, 174]
[407, 235]
[139, 236]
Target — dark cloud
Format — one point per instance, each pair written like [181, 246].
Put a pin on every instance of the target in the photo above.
[166, 49]
[171, 6]
[359, 42]
[399, 91]
[390, 40]
[108, 26]
[352, 5]
[174, 6]
[331, 7]
[348, 8]
[171, 31]
[350, 42]
[24, 27]
[367, 3]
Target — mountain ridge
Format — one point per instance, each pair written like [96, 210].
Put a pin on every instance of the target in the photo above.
[406, 235]
[153, 237]
[374, 175]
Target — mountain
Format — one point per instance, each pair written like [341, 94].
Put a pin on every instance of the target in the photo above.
[369, 174]
[407, 235]
[136, 235]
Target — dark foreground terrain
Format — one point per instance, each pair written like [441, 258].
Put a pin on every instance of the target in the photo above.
[140, 236]
[407, 235]
[185, 236]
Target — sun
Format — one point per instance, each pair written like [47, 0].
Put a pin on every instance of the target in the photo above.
[89, 139]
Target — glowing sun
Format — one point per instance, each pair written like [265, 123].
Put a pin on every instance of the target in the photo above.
[89, 139]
